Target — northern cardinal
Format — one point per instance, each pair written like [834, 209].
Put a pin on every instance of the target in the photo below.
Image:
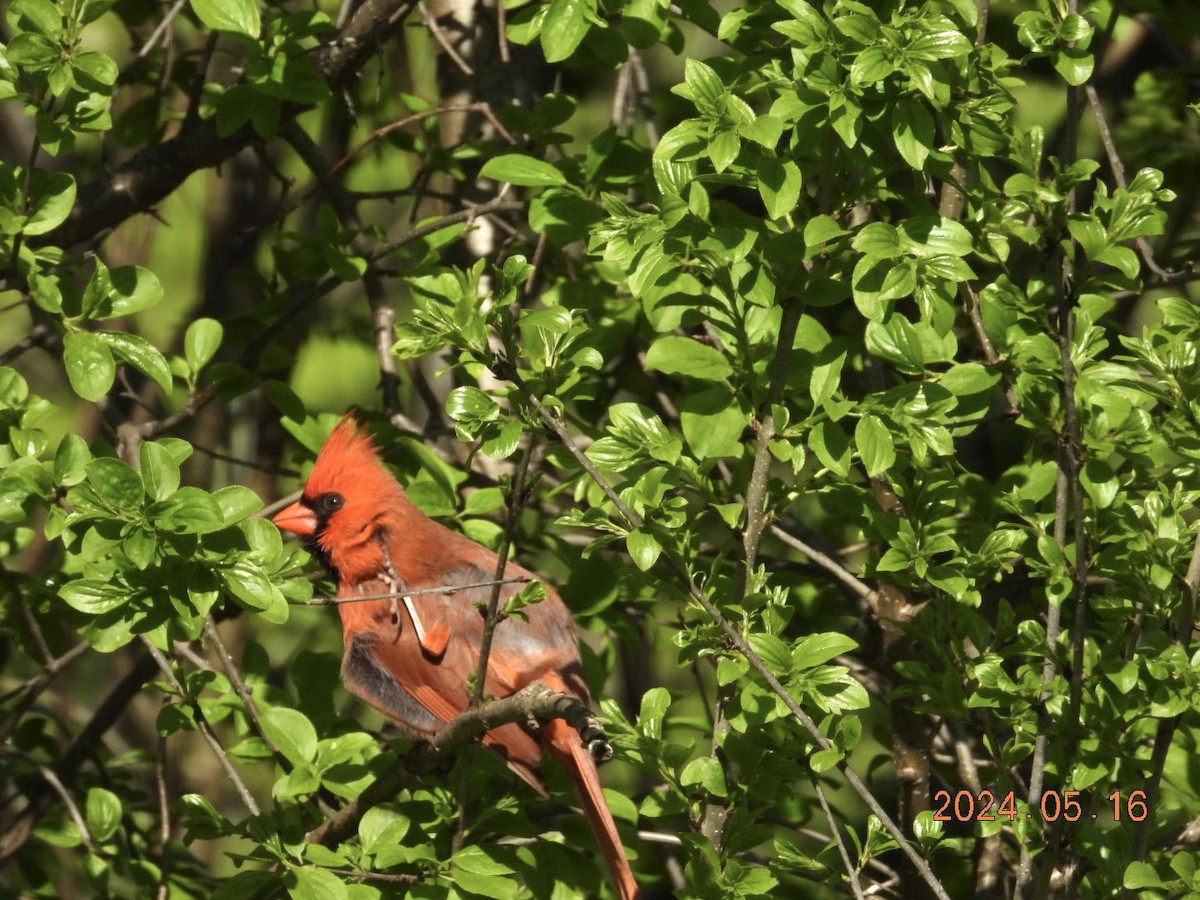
[410, 657]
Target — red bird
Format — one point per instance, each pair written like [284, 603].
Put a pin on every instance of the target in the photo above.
[410, 657]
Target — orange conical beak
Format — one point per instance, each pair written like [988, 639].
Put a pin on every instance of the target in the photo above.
[298, 519]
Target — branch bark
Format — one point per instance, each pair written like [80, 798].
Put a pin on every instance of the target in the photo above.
[155, 172]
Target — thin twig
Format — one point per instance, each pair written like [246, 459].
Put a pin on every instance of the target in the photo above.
[826, 562]
[50, 777]
[836, 834]
[481, 108]
[36, 685]
[444, 589]
[160, 30]
[438, 35]
[164, 820]
[516, 502]
[1068, 505]
[716, 812]
[1117, 167]
[81, 749]
[229, 667]
[383, 314]
[205, 729]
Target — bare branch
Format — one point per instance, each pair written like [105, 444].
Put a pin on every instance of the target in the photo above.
[516, 502]
[826, 562]
[836, 833]
[394, 595]
[164, 820]
[205, 729]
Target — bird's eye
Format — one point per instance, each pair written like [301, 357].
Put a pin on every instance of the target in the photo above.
[329, 503]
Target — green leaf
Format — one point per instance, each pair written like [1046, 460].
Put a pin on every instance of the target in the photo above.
[815, 649]
[476, 871]
[812, 26]
[643, 547]
[820, 230]
[707, 772]
[503, 442]
[201, 342]
[772, 651]
[250, 585]
[943, 44]
[117, 485]
[875, 445]
[653, 709]
[1074, 65]
[563, 216]
[563, 30]
[931, 236]
[103, 813]
[897, 342]
[236, 503]
[765, 130]
[829, 442]
[472, 409]
[93, 596]
[705, 85]
[964, 379]
[724, 149]
[713, 421]
[131, 290]
[484, 501]
[189, 510]
[826, 377]
[675, 355]
[89, 363]
[160, 472]
[824, 760]
[141, 354]
[309, 883]
[70, 461]
[517, 168]
[233, 16]
[40, 16]
[878, 240]
[51, 197]
[291, 732]
[778, 185]
[1141, 876]
[92, 65]
[913, 131]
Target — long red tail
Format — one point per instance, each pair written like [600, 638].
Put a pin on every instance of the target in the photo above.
[565, 744]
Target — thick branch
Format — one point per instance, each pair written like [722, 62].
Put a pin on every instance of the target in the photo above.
[155, 172]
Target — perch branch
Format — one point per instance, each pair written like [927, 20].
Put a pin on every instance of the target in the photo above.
[536, 702]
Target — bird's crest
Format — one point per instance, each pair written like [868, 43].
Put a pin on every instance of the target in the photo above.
[348, 457]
